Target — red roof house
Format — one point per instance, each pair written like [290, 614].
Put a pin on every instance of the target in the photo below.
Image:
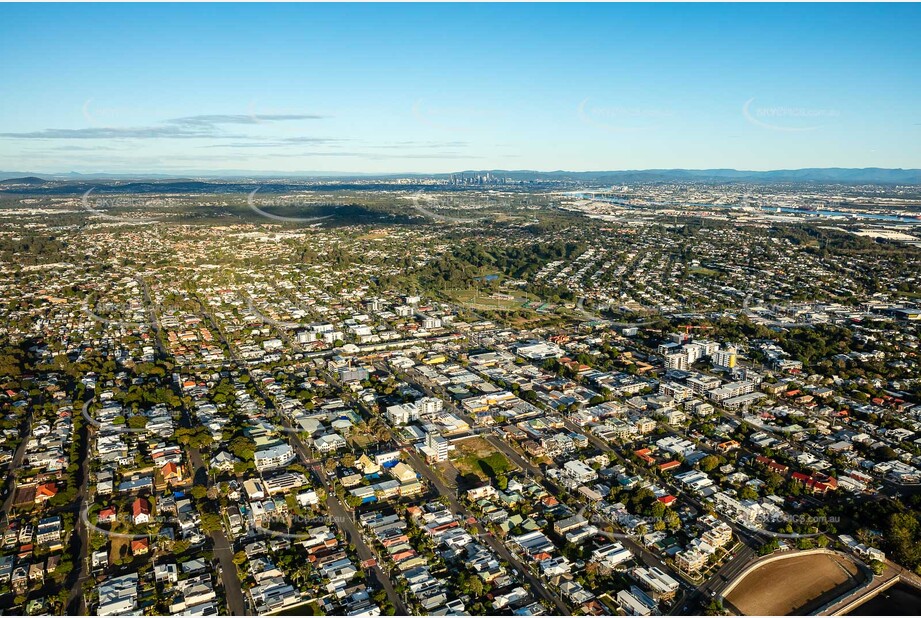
[667, 500]
[140, 511]
[45, 491]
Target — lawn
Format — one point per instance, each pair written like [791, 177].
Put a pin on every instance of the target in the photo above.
[705, 272]
[483, 300]
[374, 235]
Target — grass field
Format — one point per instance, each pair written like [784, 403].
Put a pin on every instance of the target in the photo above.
[794, 585]
[374, 235]
[705, 272]
[482, 300]
[479, 457]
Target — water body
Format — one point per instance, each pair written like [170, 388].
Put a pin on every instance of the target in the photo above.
[900, 600]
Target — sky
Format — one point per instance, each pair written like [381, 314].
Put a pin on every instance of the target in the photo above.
[441, 88]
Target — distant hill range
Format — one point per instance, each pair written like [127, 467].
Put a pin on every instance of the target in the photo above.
[28, 180]
[201, 181]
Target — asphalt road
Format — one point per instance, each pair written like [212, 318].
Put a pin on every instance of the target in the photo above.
[223, 551]
[9, 484]
[343, 519]
[76, 603]
[648, 558]
[743, 557]
[712, 588]
[537, 586]
[152, 316]
[375, 574]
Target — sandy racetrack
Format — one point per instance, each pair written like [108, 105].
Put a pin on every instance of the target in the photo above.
[798, 584]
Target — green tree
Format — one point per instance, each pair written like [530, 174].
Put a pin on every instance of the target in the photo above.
[769, 547]
[709, 463]
[748, 493]
[877, 567]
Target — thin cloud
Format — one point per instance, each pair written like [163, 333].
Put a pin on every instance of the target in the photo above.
[42, 147]
[187, 127]
[375, 156]
[378, 156]
[427, 155]
[287, 142]
[443, 148]
[218, 119]
[309, 140]
[295, 155]
[160, 132]
[414, 144]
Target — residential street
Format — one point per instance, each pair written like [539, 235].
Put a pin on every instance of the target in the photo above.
[223, 551]
[9, 484]
[375, 574]
[76, 603]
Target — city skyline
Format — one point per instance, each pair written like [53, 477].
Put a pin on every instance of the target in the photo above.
[368, 89]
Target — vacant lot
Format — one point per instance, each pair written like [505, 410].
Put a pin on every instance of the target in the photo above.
[794, 585]
[479, 457]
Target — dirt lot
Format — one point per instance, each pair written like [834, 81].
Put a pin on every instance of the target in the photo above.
[795, 585]
[477, 456]
[475, 446]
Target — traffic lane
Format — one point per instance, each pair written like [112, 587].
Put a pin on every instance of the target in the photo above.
[648, 557]
[343, 519]
[457, 509]
[9, 484]
[353, 536]
[233, 589]
[221, 548]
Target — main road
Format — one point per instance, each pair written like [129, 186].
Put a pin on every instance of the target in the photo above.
[343, 518]
[742, 558]
[693, 601]
[537, 586]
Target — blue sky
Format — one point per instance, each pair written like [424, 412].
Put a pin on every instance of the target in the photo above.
[440, 88]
